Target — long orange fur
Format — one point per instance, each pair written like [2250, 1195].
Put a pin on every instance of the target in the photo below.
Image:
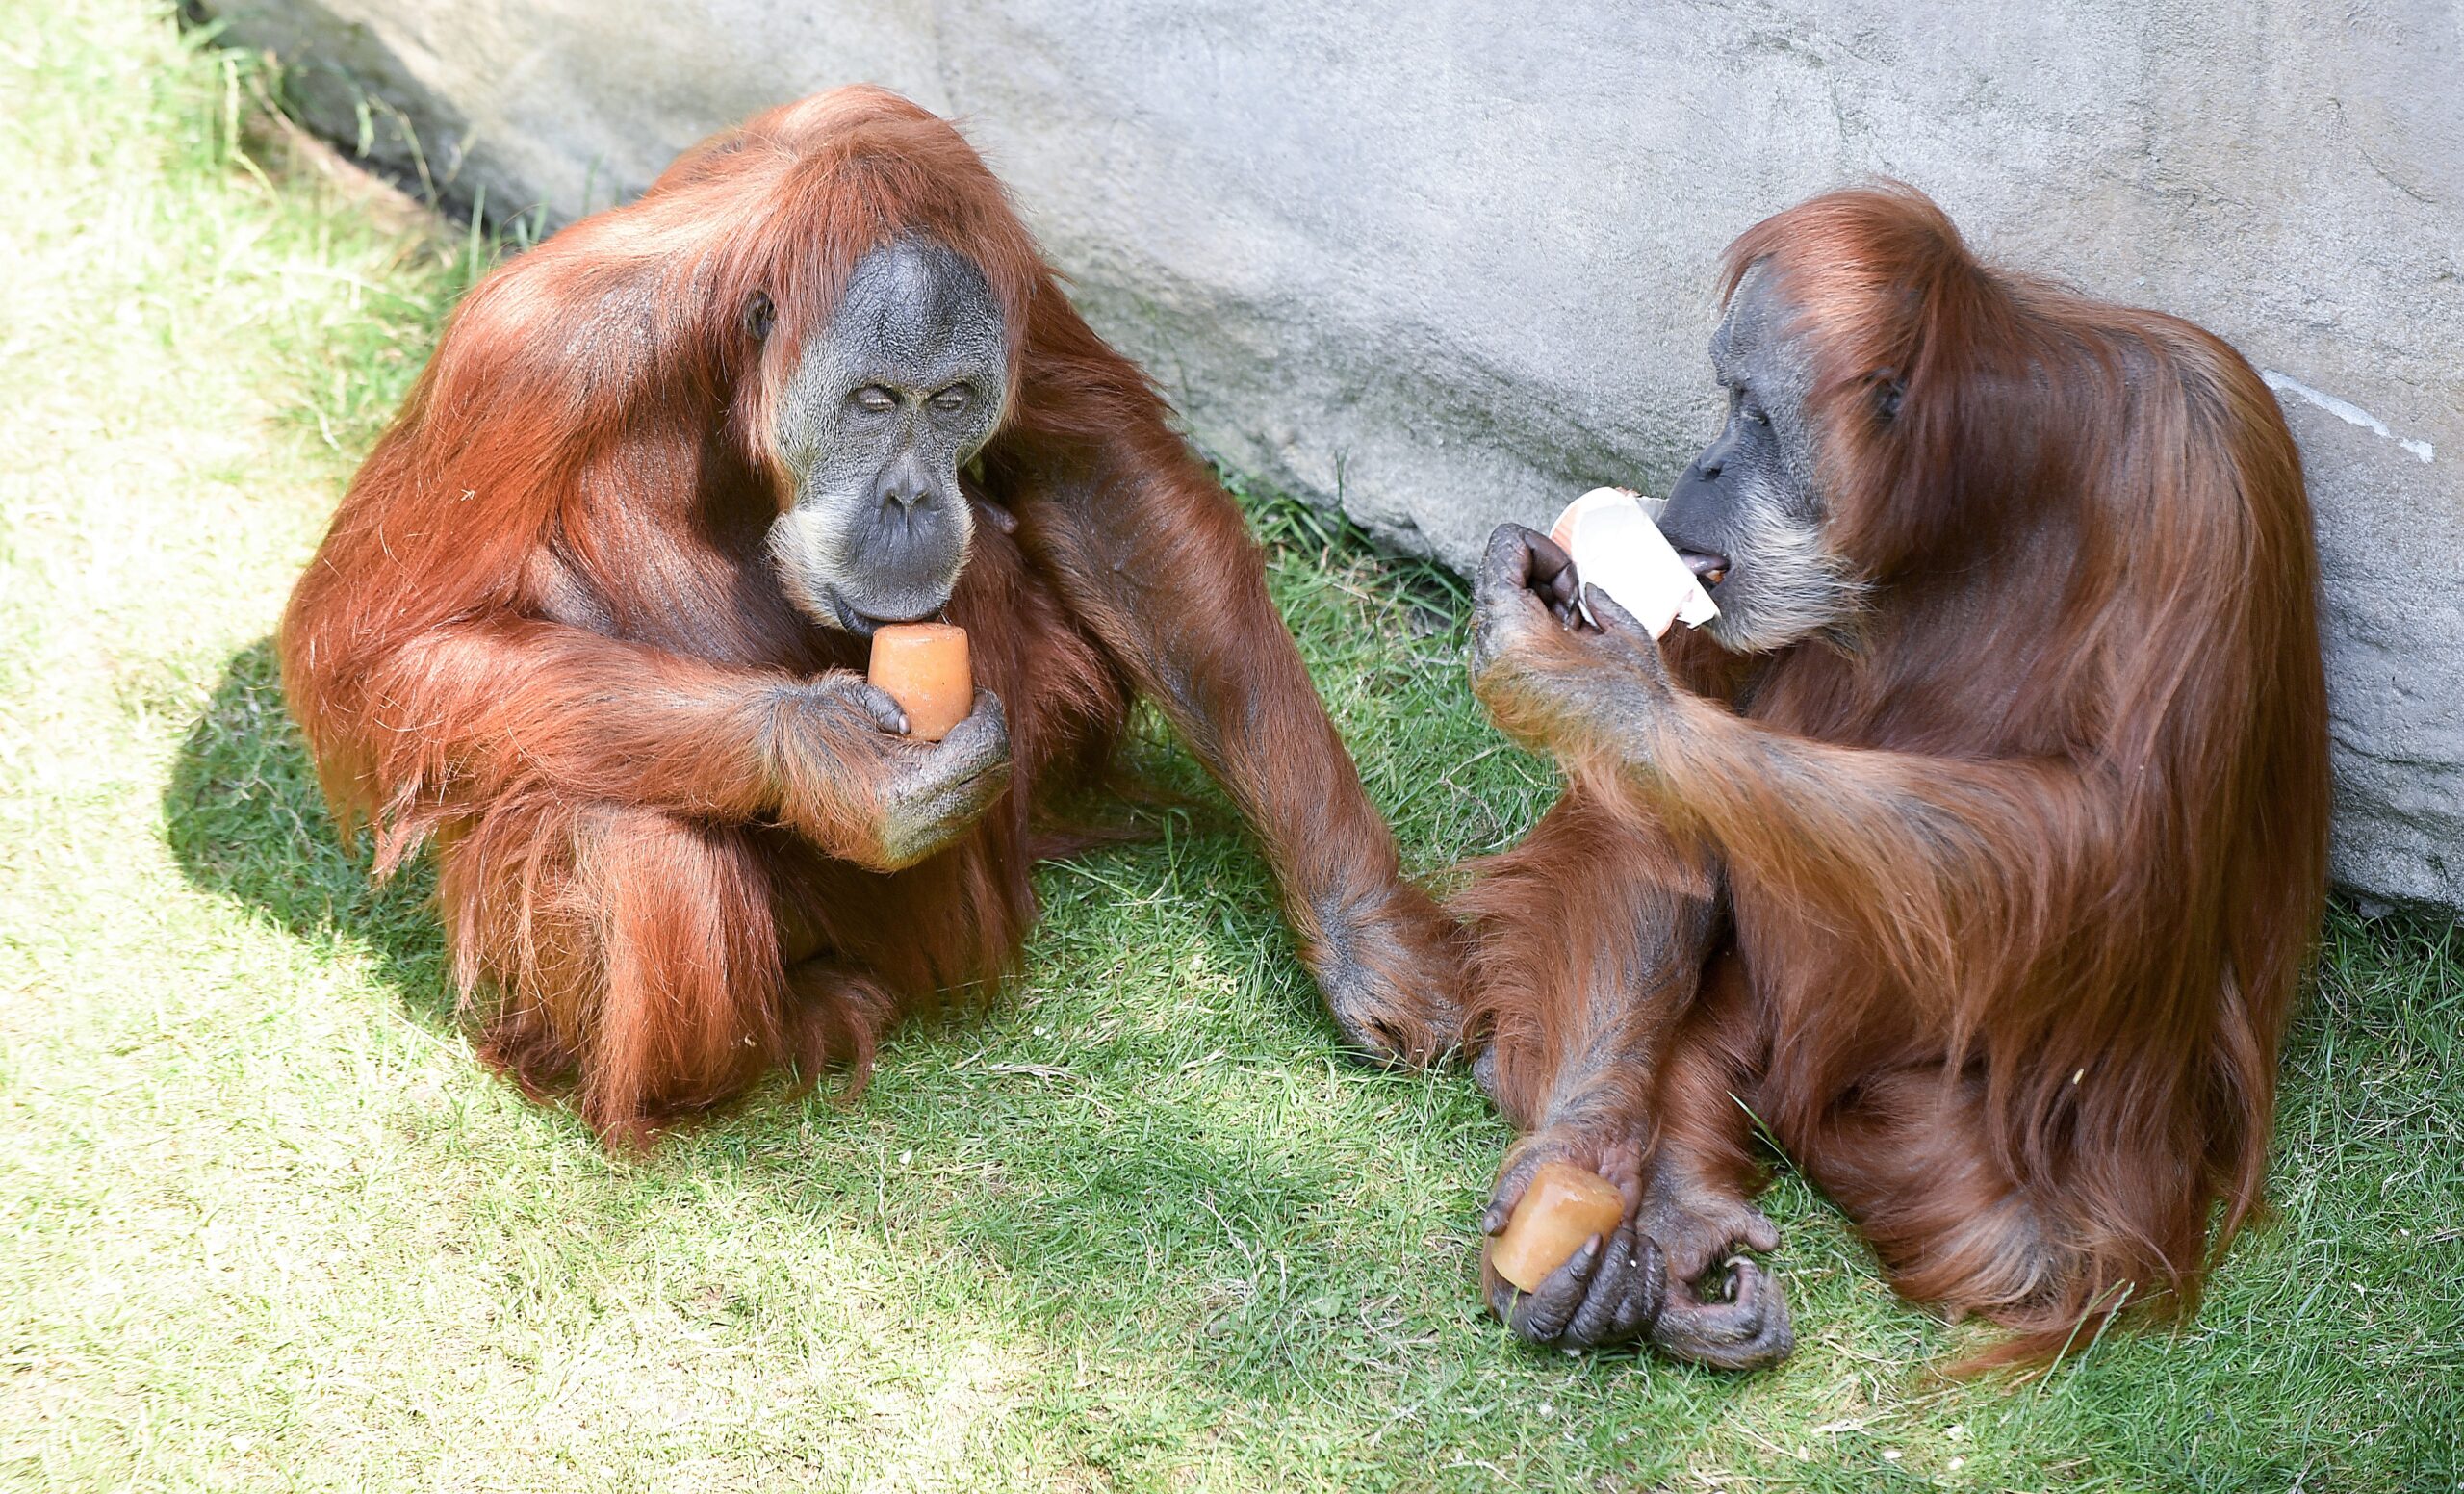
[541, 635]
[2019, 882]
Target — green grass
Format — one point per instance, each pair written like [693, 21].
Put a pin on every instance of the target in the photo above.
[264, 1224]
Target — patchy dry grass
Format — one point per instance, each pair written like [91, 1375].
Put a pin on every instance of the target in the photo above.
[265, 1224]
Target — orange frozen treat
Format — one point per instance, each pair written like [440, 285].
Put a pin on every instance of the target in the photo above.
[924, 668]
[1564, 1206]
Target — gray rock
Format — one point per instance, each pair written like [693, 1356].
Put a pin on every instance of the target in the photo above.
[1449, 265]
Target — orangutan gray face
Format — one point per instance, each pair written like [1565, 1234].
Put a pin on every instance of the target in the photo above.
[1748, 516]
[900, 390]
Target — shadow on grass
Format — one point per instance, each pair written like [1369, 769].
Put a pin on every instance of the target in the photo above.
[1315, 1256]
[1075, 1207]
[245, 819]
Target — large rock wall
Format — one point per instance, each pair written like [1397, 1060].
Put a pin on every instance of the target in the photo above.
[1445, 265]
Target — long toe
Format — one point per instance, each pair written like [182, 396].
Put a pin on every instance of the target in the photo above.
[1749, 1330]
[1624, 1295]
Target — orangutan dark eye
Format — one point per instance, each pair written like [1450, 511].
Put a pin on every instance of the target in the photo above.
[956, 398]
[876, 398]
[758, 316]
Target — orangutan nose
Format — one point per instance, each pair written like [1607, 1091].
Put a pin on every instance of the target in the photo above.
[904, 485]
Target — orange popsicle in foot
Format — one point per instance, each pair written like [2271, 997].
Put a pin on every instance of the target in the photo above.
[1564, 1206]
[924, 668]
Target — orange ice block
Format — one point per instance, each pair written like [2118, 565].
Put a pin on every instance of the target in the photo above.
[1564, 1206]
[924, 668]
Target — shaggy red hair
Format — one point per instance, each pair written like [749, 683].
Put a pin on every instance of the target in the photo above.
[2020, 878]
[543, 633]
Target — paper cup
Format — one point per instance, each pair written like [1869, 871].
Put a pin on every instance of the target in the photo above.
[1617, 548]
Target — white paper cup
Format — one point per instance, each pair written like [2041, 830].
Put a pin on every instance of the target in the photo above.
[1617, 548]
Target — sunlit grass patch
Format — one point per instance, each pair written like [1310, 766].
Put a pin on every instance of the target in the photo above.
[263, 1222]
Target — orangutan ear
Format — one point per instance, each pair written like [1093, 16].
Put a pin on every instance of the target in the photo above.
[1888, 391]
